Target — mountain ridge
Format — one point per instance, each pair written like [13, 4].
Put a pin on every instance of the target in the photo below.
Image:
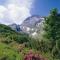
[30, 25]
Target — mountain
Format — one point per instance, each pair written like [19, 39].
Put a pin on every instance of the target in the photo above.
[32, 21]
[31, 25]
[15, 27]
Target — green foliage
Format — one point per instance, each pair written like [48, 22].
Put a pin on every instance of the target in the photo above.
[7, 53]
[58, 44]
[7, 35]
[55, 53]
[52, 32]
[21, 38]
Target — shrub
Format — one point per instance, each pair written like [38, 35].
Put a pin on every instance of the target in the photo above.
[33, 56]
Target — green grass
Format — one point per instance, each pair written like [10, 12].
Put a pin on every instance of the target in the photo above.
[10, 54]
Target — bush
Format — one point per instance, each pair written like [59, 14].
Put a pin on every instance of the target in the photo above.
[7, 53]
[33, 56]
[55, 53]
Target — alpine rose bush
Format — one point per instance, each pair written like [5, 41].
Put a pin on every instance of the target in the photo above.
[33, 56]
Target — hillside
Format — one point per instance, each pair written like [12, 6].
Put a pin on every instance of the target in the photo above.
[16, 46]
[6, 33]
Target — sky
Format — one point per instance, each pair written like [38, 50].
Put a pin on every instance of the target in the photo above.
[16, 11]
[43, 7]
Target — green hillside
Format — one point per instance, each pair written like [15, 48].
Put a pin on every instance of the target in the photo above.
[10, 43]
[7, 53]
[14, 45]
[8, 35]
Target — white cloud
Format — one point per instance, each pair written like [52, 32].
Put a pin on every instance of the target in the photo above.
[2, 11]
[15, 11]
